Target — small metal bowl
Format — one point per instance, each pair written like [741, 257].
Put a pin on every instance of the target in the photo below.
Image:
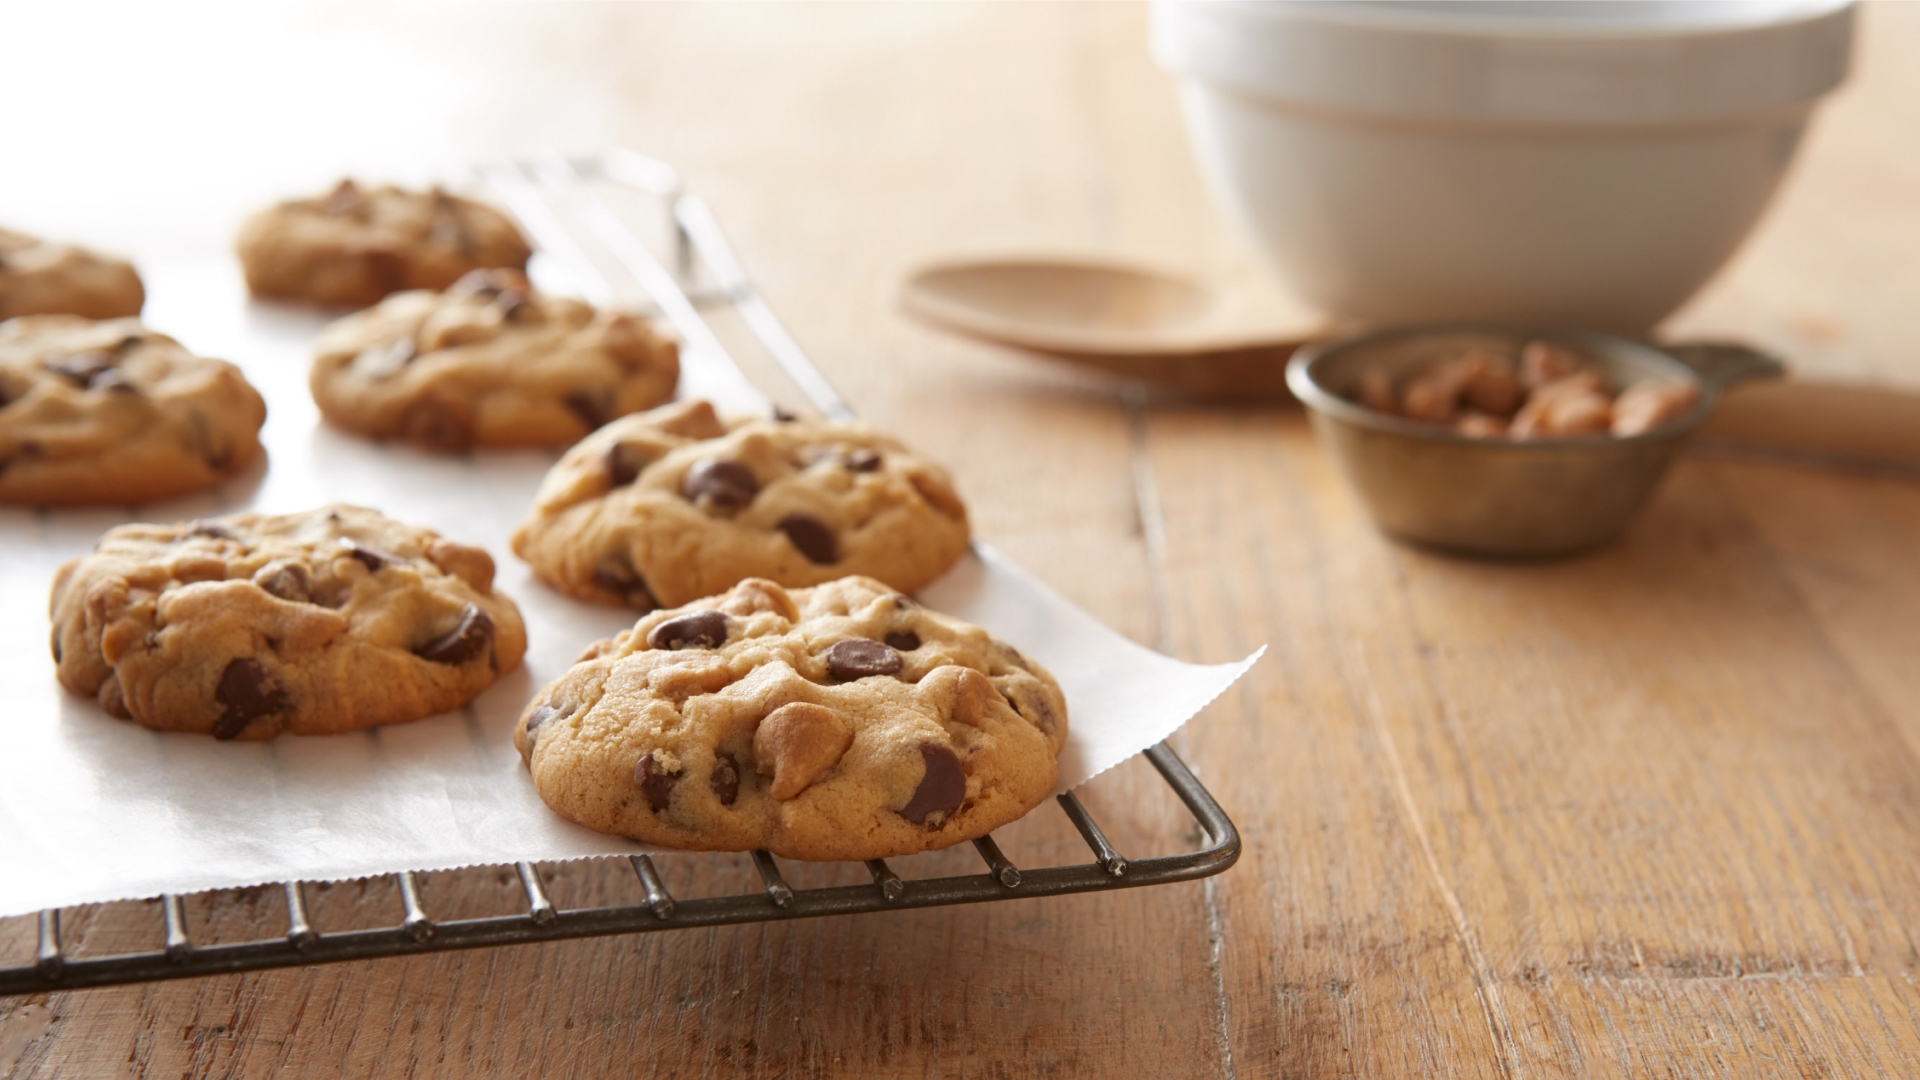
[1426, 484]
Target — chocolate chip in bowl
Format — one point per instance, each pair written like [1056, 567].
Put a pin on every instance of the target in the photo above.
[1510, 441]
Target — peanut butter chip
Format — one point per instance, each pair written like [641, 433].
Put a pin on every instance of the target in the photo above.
[798, 742]
[694, 630]
[859, 658]
[942, 788]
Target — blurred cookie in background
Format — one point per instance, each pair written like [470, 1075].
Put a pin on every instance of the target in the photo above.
[488, 362]
[355, 245]
[42, 277]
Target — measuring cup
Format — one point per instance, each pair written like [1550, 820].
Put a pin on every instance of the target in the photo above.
[1501, 497]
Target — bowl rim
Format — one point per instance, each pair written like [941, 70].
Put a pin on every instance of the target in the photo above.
[1303, 380]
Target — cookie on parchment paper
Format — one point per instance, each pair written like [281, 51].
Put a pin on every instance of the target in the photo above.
[844, 721]
[355, 245]
[668, 506]
[488, 362]
[254, 625]
[40, 277]
[106, 412]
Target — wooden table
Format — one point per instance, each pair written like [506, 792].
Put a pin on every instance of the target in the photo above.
[1651, 812]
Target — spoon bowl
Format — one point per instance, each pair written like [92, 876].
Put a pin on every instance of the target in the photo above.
[1125, 320]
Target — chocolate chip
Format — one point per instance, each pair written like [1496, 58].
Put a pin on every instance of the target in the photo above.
[211, 528]
[484, 283]
[470, 640]
[904, 640]
[512, 305]
[113, 379]
[725, 779]
[593, 407]
[694, 630]
[55, 642]
[113, 698]
[858, 658]
[82, 368]
[719, 484]
[941, 790]
[287, 580]
[863, 460]
[247, 694]
[624, 463]
[440, 422]
[811, 536]
[655, 783]
[383, 361]
[370, 557]
[616, 575]
[783, 416]
[540, 716]
[450, 227]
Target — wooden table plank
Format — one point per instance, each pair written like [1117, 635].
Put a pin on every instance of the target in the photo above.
[1650, 812]
[1622, 774]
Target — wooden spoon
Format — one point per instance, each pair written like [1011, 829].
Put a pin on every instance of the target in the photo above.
[1125, 320]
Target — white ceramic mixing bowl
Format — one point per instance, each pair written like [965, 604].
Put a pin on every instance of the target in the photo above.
[1572, 163]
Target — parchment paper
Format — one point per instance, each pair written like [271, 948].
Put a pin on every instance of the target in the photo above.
[95, 809]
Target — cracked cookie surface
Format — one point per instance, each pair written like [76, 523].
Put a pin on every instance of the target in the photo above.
[356, 244]
[249, 626]
[40, 277]
[844, 721]
[488, 362]
[663, 507]
[111, 412]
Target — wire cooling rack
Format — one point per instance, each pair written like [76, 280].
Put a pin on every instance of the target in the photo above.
[563, 203]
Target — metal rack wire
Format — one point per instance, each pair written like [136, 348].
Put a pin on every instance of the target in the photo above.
[545, 194]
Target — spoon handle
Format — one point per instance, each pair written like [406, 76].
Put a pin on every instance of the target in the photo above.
[1823, 422]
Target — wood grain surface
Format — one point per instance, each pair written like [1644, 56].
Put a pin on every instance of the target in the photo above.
[1650, 812]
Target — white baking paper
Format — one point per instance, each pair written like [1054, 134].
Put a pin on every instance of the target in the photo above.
[95, 809]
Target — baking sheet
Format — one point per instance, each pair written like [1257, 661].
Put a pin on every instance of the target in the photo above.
[96, 809]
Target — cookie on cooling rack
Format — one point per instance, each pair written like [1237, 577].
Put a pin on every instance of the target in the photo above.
[354, 245]
[38, 277]
[666, 506]
[844, 721]
[488, 362]
[254, 625]
[111, 412]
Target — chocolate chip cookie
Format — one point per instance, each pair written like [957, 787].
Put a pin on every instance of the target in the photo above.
[111, 412]
[667, 506]
[354, 245]
[844, 721]
[248, 626]
[38, 277]
[488, 362]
